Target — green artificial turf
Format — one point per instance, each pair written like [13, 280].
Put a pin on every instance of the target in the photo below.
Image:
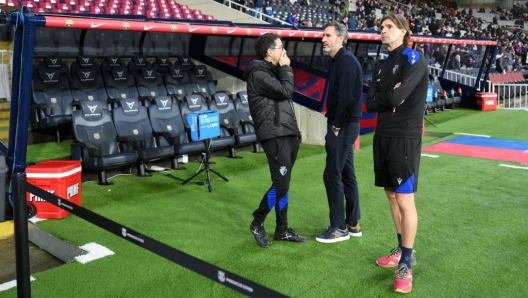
[470, 241]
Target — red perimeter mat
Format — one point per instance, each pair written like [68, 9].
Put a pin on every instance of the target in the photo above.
[478, 151]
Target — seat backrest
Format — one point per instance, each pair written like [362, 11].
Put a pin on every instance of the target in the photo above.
[192, 103]
[54, 62]
[242, 108]
[225, 107]
[177, 81]
[162, 64]
[186, 62]
[92, 123]
[86, 85]
[165, 116]
[53, 90]
[131, 120]
[85, 61]
[150, 83]
[120, 84]
[202, 80]
[137, 63]
[110, 63]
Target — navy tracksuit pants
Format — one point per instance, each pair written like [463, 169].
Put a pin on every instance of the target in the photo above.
[281, 153]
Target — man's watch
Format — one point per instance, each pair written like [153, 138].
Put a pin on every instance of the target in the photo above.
[335, 129]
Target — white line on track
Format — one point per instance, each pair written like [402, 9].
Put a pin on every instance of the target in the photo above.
[429, 155]
[470, 134]
[513, 167]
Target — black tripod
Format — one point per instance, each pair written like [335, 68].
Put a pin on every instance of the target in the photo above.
[206, 168]
[430, 122]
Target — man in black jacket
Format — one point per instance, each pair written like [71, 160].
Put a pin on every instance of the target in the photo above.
[270, 88]
[344, 102]
[397, 92]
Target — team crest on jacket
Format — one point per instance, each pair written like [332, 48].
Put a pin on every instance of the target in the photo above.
[283, 170]
[395, 68]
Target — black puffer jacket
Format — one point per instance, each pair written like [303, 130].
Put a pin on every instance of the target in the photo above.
[269, 90]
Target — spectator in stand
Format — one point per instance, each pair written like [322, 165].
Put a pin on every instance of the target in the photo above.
[302, 21]
[439, 55]
[501, 62]
[318, 25]
[517, 65]
[309, 23]
[269, 11]
[455, 63]
[259, 4]
[343, 10]
[292, 19]
[352, 22]
[510, 55]
[468, 59]
[345, 22]
[241, 5]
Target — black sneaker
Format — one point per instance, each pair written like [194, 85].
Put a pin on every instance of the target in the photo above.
[290, 235]
[260, 235]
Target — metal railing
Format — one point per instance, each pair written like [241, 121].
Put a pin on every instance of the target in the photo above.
[461, 78]
[254, 13]
[511, 96]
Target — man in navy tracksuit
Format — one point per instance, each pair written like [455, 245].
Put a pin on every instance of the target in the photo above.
[344, 107]
[270, 89]
[397, 92]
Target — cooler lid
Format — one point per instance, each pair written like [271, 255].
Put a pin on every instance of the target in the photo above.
[61, 167]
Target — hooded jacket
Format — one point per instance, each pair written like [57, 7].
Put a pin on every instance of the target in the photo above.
[269, 89]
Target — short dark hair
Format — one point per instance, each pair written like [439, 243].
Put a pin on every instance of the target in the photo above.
[264, 43]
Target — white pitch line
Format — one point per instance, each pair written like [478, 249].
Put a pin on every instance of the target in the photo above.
[513, 167]
[11, 284]
[429, 155]
[470, 134]
[95, 251]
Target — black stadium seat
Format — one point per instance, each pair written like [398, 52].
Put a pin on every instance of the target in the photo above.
[242, 108]
[86, 85]
[137, 63]
[96, 143]
[149, 84]
[51, 105]
[131, 120]
[186, 62]
[162, 64]
[110, 63]
[85, 61]
[167, 122]
[202, 80]
[120, 84]
[177, 82]
[55, 63]
[230, 123]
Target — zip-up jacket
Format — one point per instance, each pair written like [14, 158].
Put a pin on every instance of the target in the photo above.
[345, 90]
[270, 89]
[400, 110]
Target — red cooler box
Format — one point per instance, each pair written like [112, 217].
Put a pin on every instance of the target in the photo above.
[59, 177]
[486, 101]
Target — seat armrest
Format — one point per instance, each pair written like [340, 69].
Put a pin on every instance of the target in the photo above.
[92, 149]
[179, 98]
[170, 138]
[130, 141]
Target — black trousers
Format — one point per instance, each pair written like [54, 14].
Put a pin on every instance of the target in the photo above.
[340, 178]
[281, 153]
